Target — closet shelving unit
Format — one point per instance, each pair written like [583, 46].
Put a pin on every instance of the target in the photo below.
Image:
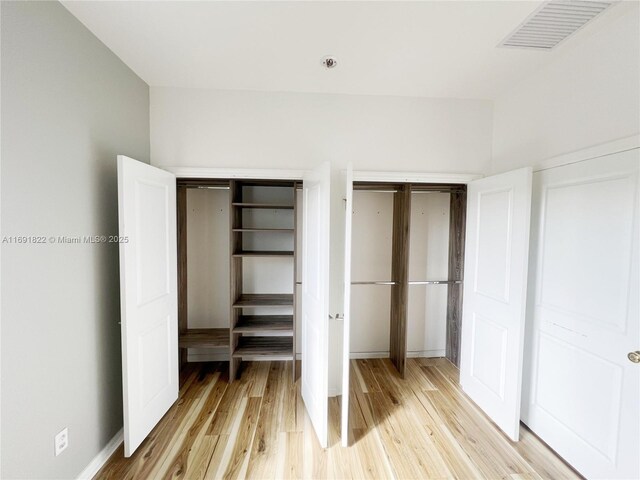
[267, 335]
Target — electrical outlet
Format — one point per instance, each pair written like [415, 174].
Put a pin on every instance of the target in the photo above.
[61, 441]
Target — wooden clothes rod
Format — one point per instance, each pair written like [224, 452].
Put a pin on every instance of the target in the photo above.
[382, 187]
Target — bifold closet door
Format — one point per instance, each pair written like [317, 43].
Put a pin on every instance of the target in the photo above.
[316, 205]
[495, 286]
[581, 392]
[148, 296]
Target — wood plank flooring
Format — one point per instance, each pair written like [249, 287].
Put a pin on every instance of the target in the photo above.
[417, 428]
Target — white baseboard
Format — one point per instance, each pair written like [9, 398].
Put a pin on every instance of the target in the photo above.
[99, 460]
[426, 353]
[411, 354]
[363, 355]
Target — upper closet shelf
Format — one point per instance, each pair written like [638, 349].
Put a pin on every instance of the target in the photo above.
[264, 300]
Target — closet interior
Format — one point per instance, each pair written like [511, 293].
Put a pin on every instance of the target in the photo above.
[238, 264]
[237, 270]
[407, 270]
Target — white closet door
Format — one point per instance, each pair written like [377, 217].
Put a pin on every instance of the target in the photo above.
[148, 296]
[582, 394]
[346, 336]
[315, 297]
[495, 286]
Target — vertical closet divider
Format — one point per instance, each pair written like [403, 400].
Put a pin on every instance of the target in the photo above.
[457, 225]
[235, 271]
[181, 214]
[400, 275]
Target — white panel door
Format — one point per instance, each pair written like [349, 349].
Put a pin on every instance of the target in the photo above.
[346, 335]
[315, 297]
[582, 394]
[148, 296]
[495, 288]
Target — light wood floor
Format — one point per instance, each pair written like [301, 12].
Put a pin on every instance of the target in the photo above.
[421, 427]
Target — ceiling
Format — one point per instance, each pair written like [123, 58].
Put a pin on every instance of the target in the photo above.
[423, 49]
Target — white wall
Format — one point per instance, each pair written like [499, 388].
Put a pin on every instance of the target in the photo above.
[191, 127]
[371, 261]
[69, 106]
[588, 96]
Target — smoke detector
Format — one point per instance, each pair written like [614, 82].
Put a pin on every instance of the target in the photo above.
[329, 62]
[553, 22]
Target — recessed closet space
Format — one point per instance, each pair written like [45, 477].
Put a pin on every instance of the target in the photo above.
[206, 332]
[236, 270]
[406, 270]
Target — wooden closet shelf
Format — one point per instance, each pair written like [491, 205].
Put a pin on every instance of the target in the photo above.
[204, 337]
[277, 206]
[266, 325]
[263, 253]
[264, 300]
[264, 348]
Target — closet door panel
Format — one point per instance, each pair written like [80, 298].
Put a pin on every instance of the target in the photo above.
[148, 296]
[584, 315]
[315, 297]
[495, 283]
[348, 196]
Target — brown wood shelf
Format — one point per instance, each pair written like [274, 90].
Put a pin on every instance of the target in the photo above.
[204, 337]
[263, 253]
[265, 325]
[264, 348]
[247, 300]
[261, 337]
[275, 206]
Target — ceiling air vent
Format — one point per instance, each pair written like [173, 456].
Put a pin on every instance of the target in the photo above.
[553, 22]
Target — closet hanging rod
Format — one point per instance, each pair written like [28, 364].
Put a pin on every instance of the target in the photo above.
[435, 282]
[375, 283]
[384, 190]
[212, 187]
[431, 191]
[377, 190]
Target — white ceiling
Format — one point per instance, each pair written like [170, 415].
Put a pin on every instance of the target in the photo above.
[425, 49]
